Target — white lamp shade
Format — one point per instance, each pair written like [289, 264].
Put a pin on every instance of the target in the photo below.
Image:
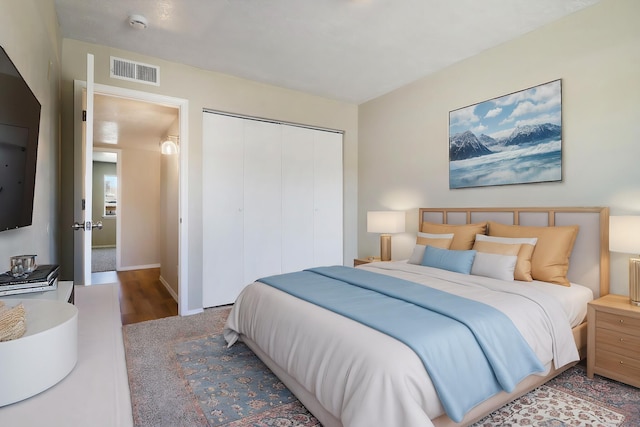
[624, 234]
[385, 222]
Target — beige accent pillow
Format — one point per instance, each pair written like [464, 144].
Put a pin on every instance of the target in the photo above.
[525, 247]
[496, 248]
[442, 241]
[550, 259]
[463, 235]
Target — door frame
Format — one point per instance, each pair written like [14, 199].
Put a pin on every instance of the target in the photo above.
[183, 203]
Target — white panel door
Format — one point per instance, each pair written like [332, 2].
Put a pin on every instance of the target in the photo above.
[223, 205]
[327, 189]
[262, 200]
[297, 198]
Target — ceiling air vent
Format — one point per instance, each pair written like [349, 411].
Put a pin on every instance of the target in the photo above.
[135, 71]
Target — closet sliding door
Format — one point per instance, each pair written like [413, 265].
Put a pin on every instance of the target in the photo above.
[328, 206]
[222, 208]
[262, 200]
[272, 202]
[297, 198]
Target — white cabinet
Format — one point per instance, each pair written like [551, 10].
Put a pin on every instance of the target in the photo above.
[272, 202]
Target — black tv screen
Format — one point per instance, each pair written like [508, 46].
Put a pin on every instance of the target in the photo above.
[19, 128]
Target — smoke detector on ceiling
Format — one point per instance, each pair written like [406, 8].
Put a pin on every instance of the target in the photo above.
[138, 22]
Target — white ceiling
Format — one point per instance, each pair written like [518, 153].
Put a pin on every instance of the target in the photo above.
[126, 123]
[349, 50]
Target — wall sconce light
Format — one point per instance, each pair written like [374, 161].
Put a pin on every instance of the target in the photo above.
[624, 236]
[169, 145]
[386, 223]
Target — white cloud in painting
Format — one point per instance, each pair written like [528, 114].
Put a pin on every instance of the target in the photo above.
[549, 93]
[545, 118]
[514, 98]
[544, 94]
[527, 107]
[463, 116]
[479, 129]
[509, 119]
[494, 112]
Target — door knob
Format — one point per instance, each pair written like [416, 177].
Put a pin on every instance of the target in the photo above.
[87, 225]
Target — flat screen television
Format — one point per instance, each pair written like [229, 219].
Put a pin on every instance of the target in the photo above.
[19, 129]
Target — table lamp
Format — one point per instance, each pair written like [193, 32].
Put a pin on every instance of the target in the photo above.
[624, 236]
[385, 223]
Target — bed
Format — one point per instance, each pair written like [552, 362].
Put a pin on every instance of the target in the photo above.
[349, 374]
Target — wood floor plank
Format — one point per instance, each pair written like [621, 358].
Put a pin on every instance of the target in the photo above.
[143, 297]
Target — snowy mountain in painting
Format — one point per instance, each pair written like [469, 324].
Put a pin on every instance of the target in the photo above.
[466, 145]
[488, 141]
[532, 134]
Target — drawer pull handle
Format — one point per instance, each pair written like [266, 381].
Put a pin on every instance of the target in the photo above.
[621, 339]
[621, 320]
[621, 362]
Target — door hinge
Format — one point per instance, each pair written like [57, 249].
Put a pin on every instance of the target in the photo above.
[83, 204]
[84, 115]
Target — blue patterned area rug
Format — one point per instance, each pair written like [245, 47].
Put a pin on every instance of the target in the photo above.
[234, 388]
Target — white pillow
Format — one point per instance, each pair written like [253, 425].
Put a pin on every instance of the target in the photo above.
[417, 255]
[435, 236]
[508, 240]
[494, 265]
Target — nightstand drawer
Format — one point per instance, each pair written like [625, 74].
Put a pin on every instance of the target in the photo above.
[617, 322]
[623, 365]
[617, 342]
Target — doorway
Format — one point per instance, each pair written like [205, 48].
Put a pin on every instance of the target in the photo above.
[105, 252]
[116, 98]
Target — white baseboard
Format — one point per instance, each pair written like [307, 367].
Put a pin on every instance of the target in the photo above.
[139, 267]
[191, 312]
[169, 288]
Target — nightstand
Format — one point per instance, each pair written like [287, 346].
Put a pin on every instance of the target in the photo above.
[367, 260]
[613, 339]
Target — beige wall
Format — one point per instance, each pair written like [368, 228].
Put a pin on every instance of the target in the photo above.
[169, 169]
[29, 34]
[403, 153]
[140, 209]
[205, 89]
[169, 200]
[107, 236]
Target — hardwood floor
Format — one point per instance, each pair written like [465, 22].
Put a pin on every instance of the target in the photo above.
[143, 296]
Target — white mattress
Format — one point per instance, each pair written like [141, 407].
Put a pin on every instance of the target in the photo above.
[340, 361]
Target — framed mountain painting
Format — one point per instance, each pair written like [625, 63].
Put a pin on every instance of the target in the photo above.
[513, 139]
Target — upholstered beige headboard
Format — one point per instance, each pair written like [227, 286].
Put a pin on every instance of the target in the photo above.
[589, 262]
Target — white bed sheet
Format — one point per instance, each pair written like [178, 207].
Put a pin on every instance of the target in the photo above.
[573, 298]
[340, 361]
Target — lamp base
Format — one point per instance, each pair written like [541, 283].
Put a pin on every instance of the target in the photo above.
[385, 247]
[634, 281]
